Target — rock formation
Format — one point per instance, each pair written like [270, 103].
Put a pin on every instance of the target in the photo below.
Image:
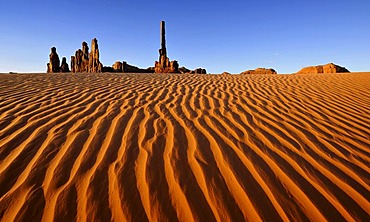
[117, 66]
[83, 61]
[78, 61]
[84, 57]
[64, 66]
[328, 68]
[199, 71]
[127, 68]
[260, 71]
[94, 62]
[164, 65]
[184, 70]
[53, 65]
[124, 67]
[73, 64]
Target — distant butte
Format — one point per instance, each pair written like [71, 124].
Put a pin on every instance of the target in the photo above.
[260, 71]
[328, 68]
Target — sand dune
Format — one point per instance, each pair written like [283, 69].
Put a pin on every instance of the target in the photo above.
[136, 147]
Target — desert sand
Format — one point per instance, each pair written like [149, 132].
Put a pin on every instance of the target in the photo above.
[151, 147]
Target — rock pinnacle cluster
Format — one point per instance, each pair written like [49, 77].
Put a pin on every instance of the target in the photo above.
[84, 61]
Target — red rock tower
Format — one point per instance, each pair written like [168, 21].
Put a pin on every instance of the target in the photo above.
[163, 50]
[54, 64]
[164, 65]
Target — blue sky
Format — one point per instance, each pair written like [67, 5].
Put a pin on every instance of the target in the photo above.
[231, 36]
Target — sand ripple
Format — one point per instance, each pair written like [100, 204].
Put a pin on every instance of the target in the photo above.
[123, 147]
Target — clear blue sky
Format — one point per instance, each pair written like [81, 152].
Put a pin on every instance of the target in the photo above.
[232, 36]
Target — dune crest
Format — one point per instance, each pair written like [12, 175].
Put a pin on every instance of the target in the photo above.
[124, 147]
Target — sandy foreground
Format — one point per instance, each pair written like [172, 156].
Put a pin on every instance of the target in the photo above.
[139, 147]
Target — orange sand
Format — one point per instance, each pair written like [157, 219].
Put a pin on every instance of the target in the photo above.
[123, 147]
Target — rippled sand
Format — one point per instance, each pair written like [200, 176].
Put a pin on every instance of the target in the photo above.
[101, 147]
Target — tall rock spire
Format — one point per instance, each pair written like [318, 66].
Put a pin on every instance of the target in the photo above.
[164, 65]
[54, 64]
[163, 50]
[94, 62]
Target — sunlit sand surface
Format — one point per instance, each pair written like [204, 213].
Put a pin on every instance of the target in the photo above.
[137, 147]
